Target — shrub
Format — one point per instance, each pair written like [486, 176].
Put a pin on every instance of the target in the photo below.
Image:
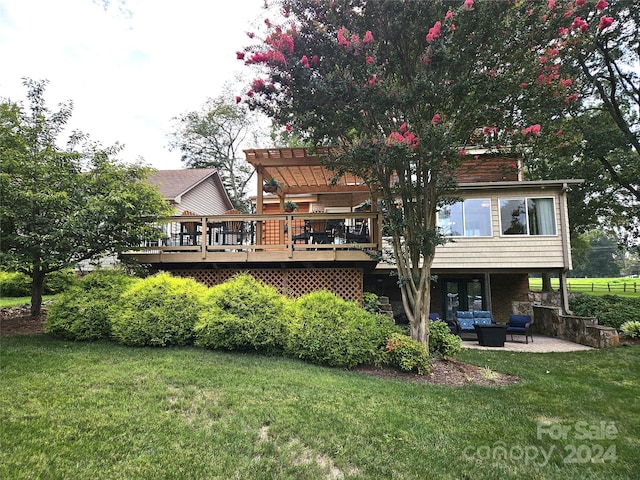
[14, 284]
[243, 314]
[159, 310]
[331, 331]
[632, 329]
[441, 341]
[58, 282]
[610, 310]
[406, 354]
[83, 312]
[370, 302]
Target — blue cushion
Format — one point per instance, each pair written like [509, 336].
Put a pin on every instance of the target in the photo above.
[519, 321]
[516, 330]
[434, 316]
[463, 314]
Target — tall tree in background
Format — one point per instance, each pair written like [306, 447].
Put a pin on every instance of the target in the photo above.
[60, 207]
[401, 87]
[594, 44]
[214, 136]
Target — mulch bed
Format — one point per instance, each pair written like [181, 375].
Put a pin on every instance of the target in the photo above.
[449, 371]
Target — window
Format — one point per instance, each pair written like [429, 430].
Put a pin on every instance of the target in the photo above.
[470, 218]
[527, 216]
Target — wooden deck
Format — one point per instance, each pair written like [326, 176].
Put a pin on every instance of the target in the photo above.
[292, 237]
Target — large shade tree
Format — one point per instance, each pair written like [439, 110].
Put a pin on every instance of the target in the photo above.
[401, 88]
[63, 205]
[596, 44]
[213, 137]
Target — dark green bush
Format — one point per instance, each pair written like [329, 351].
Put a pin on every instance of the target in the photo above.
[406, 354]
[610, 310]
[14, 284]
[441, 341]
[331, 331]
[370, 302]
[243, 314]
[83, 312]
[58, 282]
[159, 310]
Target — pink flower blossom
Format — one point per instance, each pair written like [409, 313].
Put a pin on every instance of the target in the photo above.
[580, 3]
[605, 22]
[512, 166]
[342, 40]
[238, 99]
[449, 15]
[240, 55]
[304, 61]
[436, 119]
[552, 4]
[314, 60]
[426, 60]
[373, 81]
[267, 22]
[524, 85]
[563, 31]
[492, 73]
[601, 5]
[251, 34]
[566, 82]
[571, 98]
[355, 40]
[468, 4]
[369, 60]
[403, 127]
[257, 85]
[581, 24]
[543, 59]
[368, 37]
[532, 130]
[434, 32]
[287, 127]
[559, 133]
[462, 153]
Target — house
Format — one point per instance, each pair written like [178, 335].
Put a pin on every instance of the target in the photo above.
[502, 229]
[198, 190]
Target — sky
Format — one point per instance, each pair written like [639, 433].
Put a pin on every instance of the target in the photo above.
[128, 74]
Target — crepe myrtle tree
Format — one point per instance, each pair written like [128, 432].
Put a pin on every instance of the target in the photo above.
[61, 206]
[593, 47]
[399, 88]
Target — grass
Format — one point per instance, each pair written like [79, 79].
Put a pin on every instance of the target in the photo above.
[103, 411]
[621, 286]
[20, 301]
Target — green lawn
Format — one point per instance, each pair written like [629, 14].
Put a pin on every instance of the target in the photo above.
[93, 411]
[19, 301]
[621, 286]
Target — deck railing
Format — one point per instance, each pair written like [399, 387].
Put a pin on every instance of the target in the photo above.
[260, 237]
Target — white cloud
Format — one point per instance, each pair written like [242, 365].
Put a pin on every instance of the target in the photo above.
[126, 76]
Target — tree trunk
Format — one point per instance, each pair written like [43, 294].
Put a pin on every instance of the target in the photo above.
[546, 282]
[36, 293]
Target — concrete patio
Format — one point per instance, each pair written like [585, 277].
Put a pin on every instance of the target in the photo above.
[540, 344]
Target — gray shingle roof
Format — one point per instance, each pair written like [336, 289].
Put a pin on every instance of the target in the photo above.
[173, 183]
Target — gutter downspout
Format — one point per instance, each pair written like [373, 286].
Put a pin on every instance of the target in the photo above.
[566, 253]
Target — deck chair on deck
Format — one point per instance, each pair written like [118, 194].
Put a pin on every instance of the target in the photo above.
[188, 230]
[233, 230]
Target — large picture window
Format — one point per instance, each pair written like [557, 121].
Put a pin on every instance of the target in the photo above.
[527, 216]
[470, 218]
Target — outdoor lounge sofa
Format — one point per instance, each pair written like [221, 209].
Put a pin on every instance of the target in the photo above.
[466, 321]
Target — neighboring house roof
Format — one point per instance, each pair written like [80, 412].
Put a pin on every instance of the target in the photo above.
[173, 184]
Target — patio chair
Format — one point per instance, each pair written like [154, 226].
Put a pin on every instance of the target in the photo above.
[520, 325]
[188, 230]
[233, 231]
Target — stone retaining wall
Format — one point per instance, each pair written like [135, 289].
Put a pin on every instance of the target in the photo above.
[583, 330]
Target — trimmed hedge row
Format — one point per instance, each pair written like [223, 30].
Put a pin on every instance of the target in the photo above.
[240, 315]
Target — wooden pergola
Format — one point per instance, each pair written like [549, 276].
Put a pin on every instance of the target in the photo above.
[298, 172]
